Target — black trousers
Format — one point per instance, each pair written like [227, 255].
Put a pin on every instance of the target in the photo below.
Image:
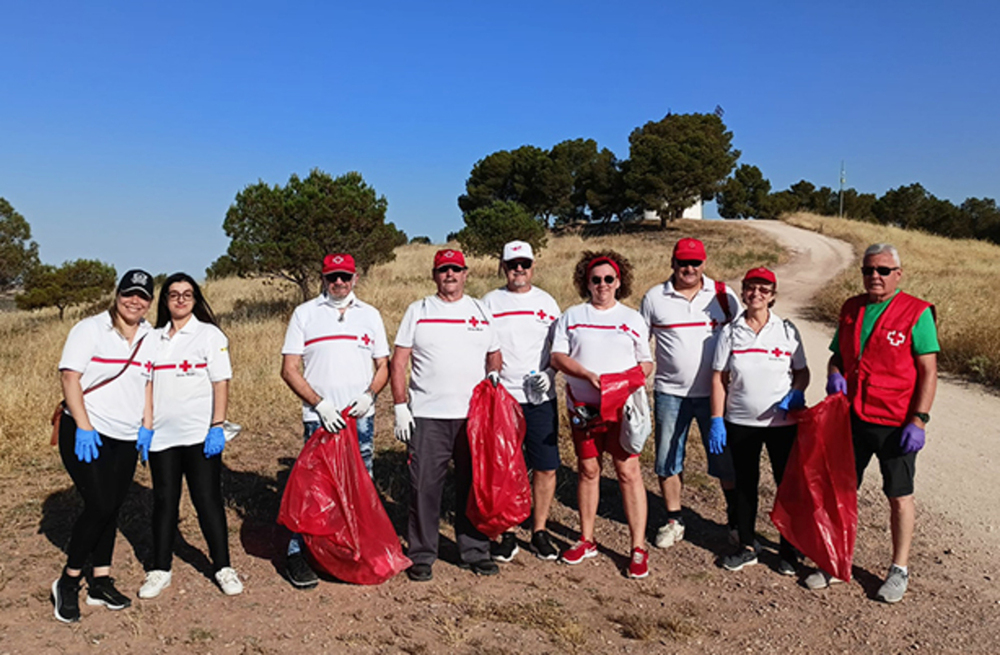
[204, 479]
[746, 443]
[103, 484]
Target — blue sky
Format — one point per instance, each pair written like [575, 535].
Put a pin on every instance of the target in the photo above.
[128, 128]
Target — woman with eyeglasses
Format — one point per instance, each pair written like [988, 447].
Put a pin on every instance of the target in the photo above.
[596, 337]
[759, 376]
[103, 378]
[182, 434]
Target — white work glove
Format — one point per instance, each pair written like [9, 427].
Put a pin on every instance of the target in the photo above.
[329, 416]
[493, 377]
[405, 425]
[361, 405]
[539, 383]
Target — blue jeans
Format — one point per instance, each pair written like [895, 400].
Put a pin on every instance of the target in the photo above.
[673, 419]
[366, 442]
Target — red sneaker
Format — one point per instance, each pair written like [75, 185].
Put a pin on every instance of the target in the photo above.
[639, 566]
[579, 551]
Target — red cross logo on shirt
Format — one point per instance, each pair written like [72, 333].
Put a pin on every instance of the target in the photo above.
[542, 314]
[896, 338]
[474, 321]
[366, 339]
[776, 352]
[624, 327]
[184, 366]
[713, 323]
[149, 366]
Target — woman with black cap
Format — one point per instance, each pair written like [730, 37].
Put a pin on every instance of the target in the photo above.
[103, 376]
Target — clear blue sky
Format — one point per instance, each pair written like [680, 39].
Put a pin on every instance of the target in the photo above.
[128, 128]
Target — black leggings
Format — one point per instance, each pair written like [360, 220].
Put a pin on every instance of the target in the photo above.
[204, 478]
[746, 443]
[103, 484]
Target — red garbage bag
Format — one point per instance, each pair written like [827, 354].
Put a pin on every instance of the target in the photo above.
[615, 390]
[500, 496]
[331, 500]
[816, 507]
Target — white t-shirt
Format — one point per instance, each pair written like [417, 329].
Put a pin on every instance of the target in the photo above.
[98, 351]
[685, 332]
[184, 369]
[603, 341]
[760, 369]
[523, 322]
[450, 341]
[336, 354]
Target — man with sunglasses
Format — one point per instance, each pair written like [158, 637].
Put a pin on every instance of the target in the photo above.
[335, 357]
[450, 341]
[885, 361]
[524, 315]
[685, 315]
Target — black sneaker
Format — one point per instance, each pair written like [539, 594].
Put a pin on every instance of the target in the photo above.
[101, 591]
[506, 549]
[742, 557]
[482, 567]
[299, 573]
[66, 599]
[420, 573]
[541, 543]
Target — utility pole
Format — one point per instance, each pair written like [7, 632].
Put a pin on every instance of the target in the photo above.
[843, 179]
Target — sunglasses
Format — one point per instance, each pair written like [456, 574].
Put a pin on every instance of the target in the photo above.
[338, 277]
[515, 264]
[449, 268]
[693, 263]
[762, 289]
[607, 279]
[868, 271]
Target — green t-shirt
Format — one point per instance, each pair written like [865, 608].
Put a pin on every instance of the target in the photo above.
[924, 333]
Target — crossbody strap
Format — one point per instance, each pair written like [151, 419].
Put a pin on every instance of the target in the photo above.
[114, 377]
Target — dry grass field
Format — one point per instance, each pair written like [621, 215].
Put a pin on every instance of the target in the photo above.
[957, 275]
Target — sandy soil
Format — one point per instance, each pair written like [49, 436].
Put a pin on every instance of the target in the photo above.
[687, 605]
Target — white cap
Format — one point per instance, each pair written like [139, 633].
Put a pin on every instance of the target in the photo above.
[518, 250]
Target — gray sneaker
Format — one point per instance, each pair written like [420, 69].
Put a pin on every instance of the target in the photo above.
[894, 587]
[820, 580]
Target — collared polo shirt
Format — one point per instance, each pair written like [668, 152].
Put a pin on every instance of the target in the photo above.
[685, 332]
[760, 366]
[336, 354]
[184, 369]
[523, 323]
[601, 340]
[98, 351]
[450, 341]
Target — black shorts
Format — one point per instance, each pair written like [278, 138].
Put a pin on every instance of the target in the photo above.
[898, 469]
[541, 436]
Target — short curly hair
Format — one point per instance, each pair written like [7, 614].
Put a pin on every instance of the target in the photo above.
[582, 271]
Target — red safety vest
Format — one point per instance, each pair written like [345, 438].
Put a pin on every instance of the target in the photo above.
[881, 382]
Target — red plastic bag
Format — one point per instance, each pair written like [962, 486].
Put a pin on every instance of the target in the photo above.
[500, 496]
[331, 500]
[615, 390]
[816, 508]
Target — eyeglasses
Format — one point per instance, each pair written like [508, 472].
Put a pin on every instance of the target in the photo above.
[514, 264]
[762, 289]
[338, 277]
[449, 268]
[187, 296]
[693, 263]
[607, 279]
[867, 271]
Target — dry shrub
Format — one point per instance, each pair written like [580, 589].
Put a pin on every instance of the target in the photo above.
[546, 615]
[644, 627]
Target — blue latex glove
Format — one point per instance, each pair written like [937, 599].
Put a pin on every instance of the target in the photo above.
[717, 436]
[87, 442]
[835, 383]
[794, 399]
[215, 441]
[143, 442]
[912, 439]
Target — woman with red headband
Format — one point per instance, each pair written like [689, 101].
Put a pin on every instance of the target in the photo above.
[759, 374]
[593, 338]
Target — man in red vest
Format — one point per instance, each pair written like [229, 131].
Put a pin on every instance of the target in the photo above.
[885, 361]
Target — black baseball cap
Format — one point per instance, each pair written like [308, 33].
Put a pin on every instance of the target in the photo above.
[137, 280]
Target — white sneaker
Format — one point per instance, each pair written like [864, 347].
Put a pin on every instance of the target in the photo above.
[229, 581]
[156, 582]
[669, 534]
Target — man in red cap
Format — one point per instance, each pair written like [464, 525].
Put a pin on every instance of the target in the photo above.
[335, 357]
[450, 340]
[685, 315]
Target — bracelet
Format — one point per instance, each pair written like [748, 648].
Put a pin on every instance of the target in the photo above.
[217, 424]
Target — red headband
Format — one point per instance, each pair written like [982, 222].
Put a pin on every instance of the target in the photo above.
[604, 260]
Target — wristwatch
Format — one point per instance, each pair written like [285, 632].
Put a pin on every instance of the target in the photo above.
[923, 416]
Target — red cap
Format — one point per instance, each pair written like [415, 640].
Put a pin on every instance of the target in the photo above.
[689, 249]
[445, 257]
[761, 273]
[338, 262]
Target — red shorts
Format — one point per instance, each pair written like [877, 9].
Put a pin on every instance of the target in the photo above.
[598, 439]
